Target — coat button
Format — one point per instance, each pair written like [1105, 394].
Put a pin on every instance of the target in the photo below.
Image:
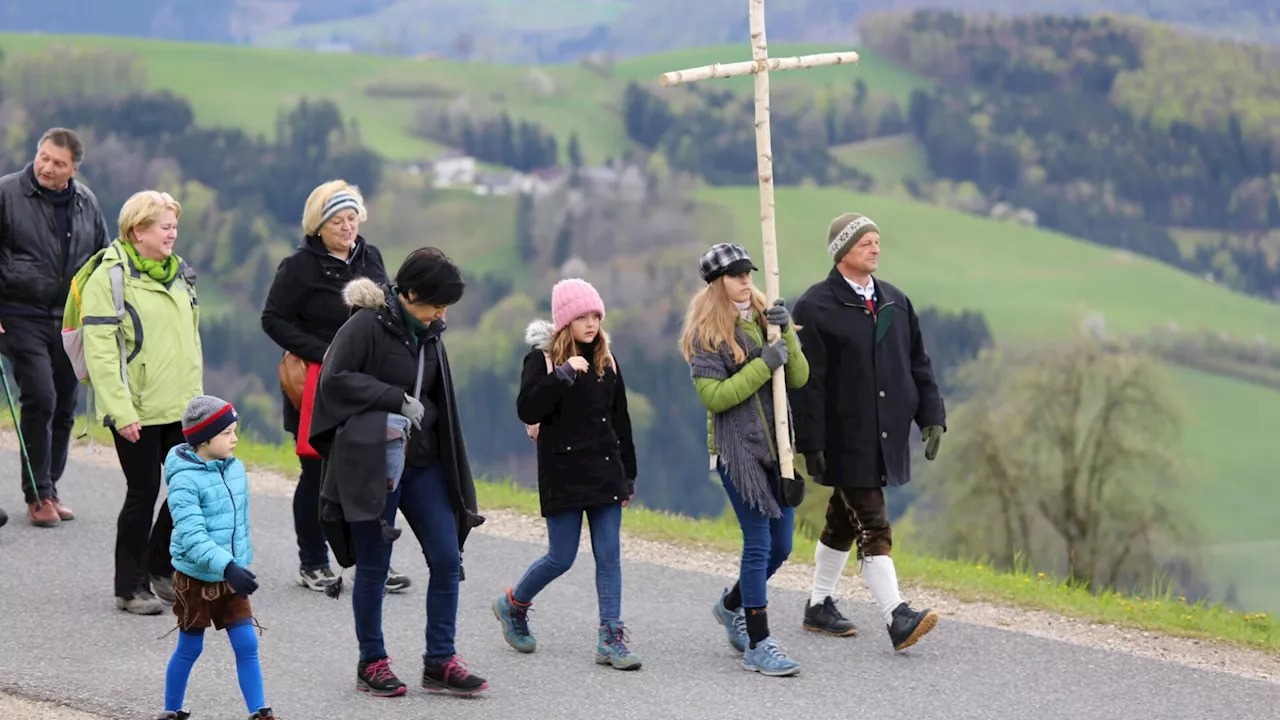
[606, 457]
[866, 312]
[881, 393]
[884, 434]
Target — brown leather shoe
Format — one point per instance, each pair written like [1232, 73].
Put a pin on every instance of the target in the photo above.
[64, 512]
[43, 514]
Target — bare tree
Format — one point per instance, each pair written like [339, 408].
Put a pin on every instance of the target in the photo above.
[1063, 455]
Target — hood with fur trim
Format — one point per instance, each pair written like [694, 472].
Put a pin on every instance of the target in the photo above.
[364, 293]
[539, 334]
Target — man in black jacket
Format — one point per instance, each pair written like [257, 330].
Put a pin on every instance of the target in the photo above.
[869, 378]
[49, 226]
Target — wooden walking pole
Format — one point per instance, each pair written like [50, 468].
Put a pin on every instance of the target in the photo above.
[760, 65]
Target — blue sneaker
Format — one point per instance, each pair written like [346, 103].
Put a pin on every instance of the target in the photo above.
[768, 658]
[612, 648]
[734, 622]
[515, 623]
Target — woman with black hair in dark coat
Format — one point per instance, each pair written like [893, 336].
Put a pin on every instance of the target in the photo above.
[386, 375]
[304, 309]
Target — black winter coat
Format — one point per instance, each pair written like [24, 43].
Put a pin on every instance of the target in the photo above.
[36, 267]
[304, 306]
[369, 368]
[586, 456]
[869, 378]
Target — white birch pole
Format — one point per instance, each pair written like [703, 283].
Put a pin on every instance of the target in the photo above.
[761, 65]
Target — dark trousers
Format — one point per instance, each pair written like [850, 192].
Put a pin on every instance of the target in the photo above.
[313, 551]
[424, 498]
[48, 389]
[858, 515]
[141, 549]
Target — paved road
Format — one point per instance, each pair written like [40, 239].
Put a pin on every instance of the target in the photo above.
[63, 639]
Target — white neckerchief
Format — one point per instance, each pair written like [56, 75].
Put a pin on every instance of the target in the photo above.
[745, 311]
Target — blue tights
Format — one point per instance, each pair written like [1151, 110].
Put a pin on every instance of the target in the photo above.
[190, 644]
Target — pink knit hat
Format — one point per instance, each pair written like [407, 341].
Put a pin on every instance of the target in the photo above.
[573, 298]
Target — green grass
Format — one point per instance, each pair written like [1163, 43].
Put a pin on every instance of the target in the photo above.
[1034, 285]
[880, 75]
[1031, 284]
[889, 160]
[246, 87]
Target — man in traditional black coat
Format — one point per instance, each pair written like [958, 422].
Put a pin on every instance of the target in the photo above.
[869, 379]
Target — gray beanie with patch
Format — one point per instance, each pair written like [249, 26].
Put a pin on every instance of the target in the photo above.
[205, 417]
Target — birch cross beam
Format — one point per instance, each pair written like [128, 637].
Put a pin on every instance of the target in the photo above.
[751, 67]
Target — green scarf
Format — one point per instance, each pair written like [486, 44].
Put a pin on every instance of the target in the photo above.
[415, 326]
[162, 271]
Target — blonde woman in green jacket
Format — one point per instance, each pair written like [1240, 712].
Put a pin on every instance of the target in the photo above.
[724, 344]
[165, 370]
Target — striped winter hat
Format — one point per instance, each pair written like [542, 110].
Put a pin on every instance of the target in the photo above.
[205, 417]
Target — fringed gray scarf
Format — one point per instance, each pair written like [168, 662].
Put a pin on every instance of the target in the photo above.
[740, 437]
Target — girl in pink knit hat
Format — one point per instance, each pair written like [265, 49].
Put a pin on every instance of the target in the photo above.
[574, 402]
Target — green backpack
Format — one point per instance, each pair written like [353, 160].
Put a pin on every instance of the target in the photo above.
[73, 315]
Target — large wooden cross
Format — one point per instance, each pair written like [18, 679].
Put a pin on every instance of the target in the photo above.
[761, 65]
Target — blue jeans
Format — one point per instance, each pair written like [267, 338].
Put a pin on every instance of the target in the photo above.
[766, 543]
[424, 499]
[563, 532]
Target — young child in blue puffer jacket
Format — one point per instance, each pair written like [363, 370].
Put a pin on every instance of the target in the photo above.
[209, 501]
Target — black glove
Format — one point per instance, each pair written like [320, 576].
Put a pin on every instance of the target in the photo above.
[778, 315]
[775, 355]
[241, 580]
[816, 463]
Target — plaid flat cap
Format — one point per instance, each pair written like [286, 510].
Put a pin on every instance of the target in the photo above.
[724, 259]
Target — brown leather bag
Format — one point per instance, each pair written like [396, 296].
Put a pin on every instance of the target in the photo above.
[293, 378]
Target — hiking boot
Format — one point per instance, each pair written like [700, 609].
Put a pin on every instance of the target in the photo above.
[826, 618]
[171, 715]
[263, 714]
[142, 603]
[163, 588]
[909, 625]
[612, 647]
[734, 622]
[64, 512]
[43, 514]
[452, 677]
[317, 579]
[515, 623]
[768, 658]
[376, 678]
[397, 582]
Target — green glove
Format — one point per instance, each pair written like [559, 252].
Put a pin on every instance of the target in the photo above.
[932, 437]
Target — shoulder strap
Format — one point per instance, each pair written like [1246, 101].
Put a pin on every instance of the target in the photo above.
[422, 354]
[116, 274]
[547, 356]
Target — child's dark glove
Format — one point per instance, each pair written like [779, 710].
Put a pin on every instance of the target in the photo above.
[241, 580]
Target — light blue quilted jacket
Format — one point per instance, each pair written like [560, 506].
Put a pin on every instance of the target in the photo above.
[209, 501]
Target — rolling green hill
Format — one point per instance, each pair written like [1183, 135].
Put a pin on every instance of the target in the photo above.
[1035, 285]
[245, 87]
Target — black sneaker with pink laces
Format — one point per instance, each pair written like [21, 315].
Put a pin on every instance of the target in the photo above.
[375, 677]
[452, 677]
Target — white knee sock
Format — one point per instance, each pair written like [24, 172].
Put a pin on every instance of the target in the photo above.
[828, 564]
[882, 581]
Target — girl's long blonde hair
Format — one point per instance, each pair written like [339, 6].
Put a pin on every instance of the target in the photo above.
[711, 319]
[562, 347]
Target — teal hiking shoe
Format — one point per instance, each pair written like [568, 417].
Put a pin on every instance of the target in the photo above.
[768, 658]
[612, 648]
[734, 622]
[515, 623]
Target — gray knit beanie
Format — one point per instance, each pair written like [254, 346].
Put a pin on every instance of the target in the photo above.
[845, 231]
[205, 417]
